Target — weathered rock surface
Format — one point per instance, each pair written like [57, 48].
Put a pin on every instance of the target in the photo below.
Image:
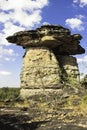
[62, 110]
[69, 66]
[51, 36]
[47, 63]
[84, 81]
[40, 69]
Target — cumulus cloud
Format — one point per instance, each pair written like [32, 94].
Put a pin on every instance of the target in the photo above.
[19, 14]
[28, 4]
[75, 1]
[7, 54]
[82, 60]
[4, 51]
[25, 13]
[3, 40]
[76, 23]
[4, 73]
[81, 3]
[80, 16]
[46, 23]
[82, 63]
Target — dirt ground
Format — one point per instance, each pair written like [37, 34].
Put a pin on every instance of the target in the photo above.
[62, 111]
[17, 118]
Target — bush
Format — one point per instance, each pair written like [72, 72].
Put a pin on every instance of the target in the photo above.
[84, 82]
[9, 93]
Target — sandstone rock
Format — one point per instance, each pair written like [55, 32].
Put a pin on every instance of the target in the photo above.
[33, 93]
[40, 69]
[51, 36]
[69, 66]
[84, 81]
[47, 62]
[67, 49]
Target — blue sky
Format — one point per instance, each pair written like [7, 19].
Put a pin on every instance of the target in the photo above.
[19, 15]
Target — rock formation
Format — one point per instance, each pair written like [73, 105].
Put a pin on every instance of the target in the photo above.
[47, 58]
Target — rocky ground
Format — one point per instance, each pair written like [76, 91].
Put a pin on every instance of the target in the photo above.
[65, 112]
[17, 119]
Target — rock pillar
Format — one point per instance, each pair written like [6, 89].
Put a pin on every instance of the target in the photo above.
[69, 66]
[47, 58]
[40, 70]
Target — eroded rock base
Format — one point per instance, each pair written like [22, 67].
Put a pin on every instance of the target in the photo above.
[69, 66]
[38, 93]
[43, 70]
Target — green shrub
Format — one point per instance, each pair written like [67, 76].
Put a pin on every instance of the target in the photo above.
[9, 93]
[84, 82]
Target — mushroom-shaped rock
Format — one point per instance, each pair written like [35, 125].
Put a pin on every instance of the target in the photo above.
[55, 37]
[47, 63]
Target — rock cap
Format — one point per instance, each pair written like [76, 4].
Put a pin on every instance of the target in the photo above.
[55, 37]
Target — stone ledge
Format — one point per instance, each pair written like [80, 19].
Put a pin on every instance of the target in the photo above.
[27, 93]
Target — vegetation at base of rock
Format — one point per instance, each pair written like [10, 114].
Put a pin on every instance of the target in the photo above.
[84, 82]
[9, 93]
[45, 111]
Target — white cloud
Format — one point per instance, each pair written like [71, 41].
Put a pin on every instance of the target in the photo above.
[5, 73]
[7, 59]
[80, 16]
[82, 60]
[3, 40]
[10, 28]
[75, 23]
[82, 63]
[75, 1]
[81, 3]
[4, 51]
[28, 4]
[7, 54]
[19, 15]
[46, 23]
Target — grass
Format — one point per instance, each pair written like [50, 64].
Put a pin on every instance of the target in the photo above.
[78, 104]
[9, 93]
